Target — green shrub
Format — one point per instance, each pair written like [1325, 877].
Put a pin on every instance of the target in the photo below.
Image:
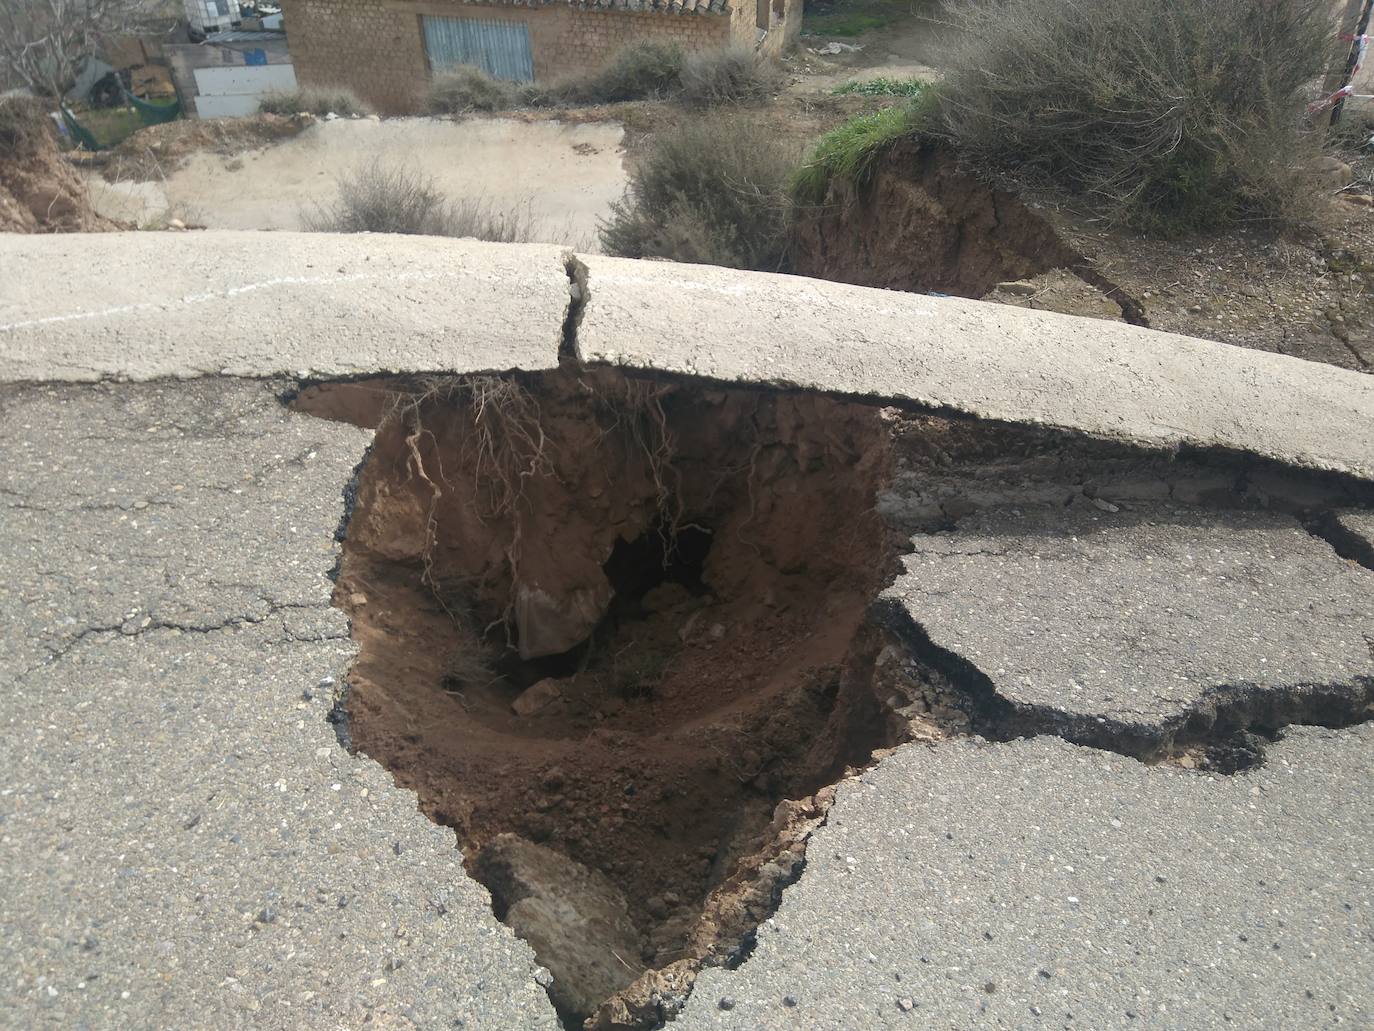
[380, 198]
[731, 75]
[1179, 114]
[851, 152]
[315, 100]
[712, 190]
[464, 88]
[881, 87]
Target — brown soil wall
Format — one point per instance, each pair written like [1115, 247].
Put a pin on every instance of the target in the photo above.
[924, 225]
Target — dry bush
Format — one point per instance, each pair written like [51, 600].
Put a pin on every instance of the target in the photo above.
[732, 75]
[640, 71]
[315, 100]
[1179, 114]
[381, 198]
[712, 190]
[465, 88]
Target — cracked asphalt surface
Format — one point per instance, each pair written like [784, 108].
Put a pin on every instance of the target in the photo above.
[1142, 617]
[185, 843]
[1040, 884]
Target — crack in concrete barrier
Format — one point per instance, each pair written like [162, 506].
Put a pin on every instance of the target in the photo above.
[579, 295]
[1132, 311]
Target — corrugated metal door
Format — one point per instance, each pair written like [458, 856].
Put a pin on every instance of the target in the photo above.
[499, 48]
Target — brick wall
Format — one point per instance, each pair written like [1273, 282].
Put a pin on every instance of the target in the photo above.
[372, 47]
[376, 48]
[574, 41]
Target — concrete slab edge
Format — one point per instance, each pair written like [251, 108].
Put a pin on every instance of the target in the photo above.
[323, 306]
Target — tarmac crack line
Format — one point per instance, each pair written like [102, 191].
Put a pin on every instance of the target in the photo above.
[1222, 712]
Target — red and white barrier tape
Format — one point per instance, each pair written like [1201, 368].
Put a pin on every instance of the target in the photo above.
[1348, 90]
[1344, 93]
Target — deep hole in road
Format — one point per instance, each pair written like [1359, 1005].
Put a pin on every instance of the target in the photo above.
[619, 634]
[614, 634]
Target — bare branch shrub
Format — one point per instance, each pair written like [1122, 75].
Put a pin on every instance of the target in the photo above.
[43, 43]
[1178, 113]
[382, 198]
[731, 75]
[712, 190]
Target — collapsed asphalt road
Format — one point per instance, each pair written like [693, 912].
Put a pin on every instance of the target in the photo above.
[188, 843]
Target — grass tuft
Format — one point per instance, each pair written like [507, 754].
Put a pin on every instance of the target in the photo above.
[881, 87]
[850, 152]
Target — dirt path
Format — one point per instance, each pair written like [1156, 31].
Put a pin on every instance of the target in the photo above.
[908, 42]
[566, 174]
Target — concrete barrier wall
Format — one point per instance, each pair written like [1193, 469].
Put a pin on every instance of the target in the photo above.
[318, 306]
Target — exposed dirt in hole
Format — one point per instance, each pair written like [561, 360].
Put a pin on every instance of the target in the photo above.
[618, 633]
[923, 224]
[614, 633]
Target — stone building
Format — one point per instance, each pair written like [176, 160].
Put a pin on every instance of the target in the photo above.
[386, 50]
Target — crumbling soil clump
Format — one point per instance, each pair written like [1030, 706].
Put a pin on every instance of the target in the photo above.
[923, 224]
[614, 632]
[39, 191]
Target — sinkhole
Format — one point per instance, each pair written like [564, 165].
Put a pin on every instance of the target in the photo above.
[614, 633]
